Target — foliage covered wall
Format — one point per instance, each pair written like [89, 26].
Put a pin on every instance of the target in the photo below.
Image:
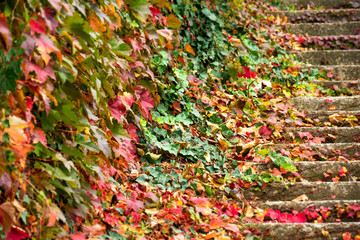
[108, 106]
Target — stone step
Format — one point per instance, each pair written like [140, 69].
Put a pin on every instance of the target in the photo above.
[342, 42]
[346, 84]
[330, 57]
[314, 231]
[331, 134]
[327, 15]
[324, 116]
[313, 171]
[349, 103]
[341, 71]
[313, 190]
[331, 150]
[320, 3]
[287, 206]
[324, 29]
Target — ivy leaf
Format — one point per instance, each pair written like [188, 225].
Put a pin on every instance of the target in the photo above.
[209, 14]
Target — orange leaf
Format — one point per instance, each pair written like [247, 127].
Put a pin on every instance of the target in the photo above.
[235, 40]
[189, 49]
[332, 108]
[216, 223]
[52, 217]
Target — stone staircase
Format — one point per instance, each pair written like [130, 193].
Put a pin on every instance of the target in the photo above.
[342, 143]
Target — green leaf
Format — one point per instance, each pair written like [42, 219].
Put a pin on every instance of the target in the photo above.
[209, 14]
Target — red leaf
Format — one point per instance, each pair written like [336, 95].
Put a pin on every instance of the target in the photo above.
[131, 129]
[39, 136]
[52, 217]
[135, 204]
[136, 46]
[285, 153]
[5, 32]
[346, 236]
[155, 11]
[272, 214]
[299, 218]
[28, 45]
[305, 134]
[78, 236]
[200, 201]
[247, 73]
[265, 131]
[56, 4]
[17, 234]
[50, 19]
[41, 73]
[342, 171]
[232, 227]
[37, 26]
[146, 102]
[120, 105]
[126, 149]
[46, 46]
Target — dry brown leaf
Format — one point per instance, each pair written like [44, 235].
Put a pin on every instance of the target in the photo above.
[301, 198]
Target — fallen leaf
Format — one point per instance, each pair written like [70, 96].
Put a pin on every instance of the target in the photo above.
[301, 198]
[78, 236]
[265, 131]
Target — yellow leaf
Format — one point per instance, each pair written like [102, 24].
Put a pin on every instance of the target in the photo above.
[173, 21]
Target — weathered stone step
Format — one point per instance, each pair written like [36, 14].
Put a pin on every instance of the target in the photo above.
[324, 116]
[324, 29]
[331, 134]
[330, 57]
[313, 171]
[320, 3]
[331, 150]
[286, 206]
[313, 190]
[342, 42]
[314, 231]
[342, 71]
[327, 15]
[351, 103]
[347, 84]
